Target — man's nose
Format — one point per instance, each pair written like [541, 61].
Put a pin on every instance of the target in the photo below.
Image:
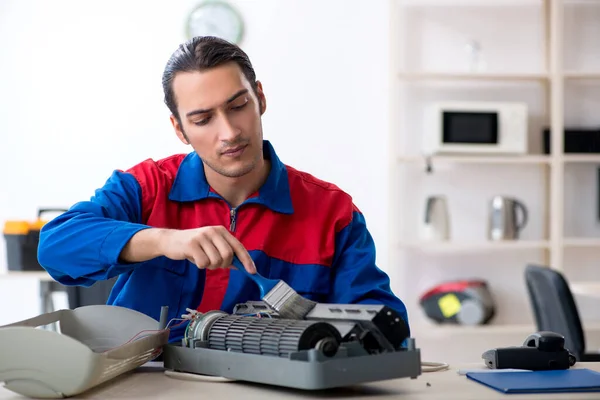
[227, 131]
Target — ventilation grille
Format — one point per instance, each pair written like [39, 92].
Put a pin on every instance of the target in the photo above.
[274, 337]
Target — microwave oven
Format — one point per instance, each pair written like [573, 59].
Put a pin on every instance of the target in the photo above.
[476, 127]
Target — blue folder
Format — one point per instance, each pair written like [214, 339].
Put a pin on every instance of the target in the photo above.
[561, 381]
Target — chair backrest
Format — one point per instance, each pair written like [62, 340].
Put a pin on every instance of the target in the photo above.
[554, 307]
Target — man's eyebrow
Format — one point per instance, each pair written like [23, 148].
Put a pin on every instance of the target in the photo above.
[229, 100]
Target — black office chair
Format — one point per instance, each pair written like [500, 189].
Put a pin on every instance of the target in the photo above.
[97, 294]
[555, 309]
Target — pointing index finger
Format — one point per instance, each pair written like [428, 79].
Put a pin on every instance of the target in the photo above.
[241, 253]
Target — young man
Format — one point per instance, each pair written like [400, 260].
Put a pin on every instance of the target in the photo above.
[169, 228]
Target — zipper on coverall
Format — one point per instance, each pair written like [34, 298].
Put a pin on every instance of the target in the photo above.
[232, 219]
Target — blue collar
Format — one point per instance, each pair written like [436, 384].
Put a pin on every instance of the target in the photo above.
[190, 183]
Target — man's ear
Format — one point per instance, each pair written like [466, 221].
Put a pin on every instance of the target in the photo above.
[262, 100]
[178, 130]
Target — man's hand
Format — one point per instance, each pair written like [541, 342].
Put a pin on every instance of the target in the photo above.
[209, 247]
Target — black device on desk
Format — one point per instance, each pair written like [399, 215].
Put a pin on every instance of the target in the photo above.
[543, 350]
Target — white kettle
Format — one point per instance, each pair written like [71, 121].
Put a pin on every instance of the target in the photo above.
[435, 225]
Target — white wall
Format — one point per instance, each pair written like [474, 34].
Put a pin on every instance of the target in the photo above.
[80, 95]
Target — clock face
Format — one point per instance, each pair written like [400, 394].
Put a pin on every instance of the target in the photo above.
[215, 18]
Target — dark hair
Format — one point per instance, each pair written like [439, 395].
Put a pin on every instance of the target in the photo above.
[200, 53]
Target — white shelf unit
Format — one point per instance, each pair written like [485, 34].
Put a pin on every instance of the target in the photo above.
[475, 246]
[444, 159]
[551, 78]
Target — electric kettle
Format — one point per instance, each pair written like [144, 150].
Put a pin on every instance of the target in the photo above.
[505, 222]
[436, 222]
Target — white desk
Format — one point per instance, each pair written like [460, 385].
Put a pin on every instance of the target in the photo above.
[151, 383]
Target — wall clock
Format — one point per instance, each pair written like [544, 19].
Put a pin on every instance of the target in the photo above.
[215, 18]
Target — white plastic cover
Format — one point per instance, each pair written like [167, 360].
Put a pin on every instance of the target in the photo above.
[95, 344]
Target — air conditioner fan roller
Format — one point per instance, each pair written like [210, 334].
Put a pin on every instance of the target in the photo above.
[264, 336]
